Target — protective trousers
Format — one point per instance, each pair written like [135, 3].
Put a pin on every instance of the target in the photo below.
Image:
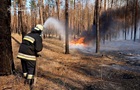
[28, 68]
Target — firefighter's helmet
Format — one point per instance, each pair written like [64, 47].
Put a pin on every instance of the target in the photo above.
[39, 27]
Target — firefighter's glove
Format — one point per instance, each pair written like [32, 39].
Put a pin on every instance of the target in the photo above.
[38, 55]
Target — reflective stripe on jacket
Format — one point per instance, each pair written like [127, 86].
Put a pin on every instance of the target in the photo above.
[28, 38]
[25, 56]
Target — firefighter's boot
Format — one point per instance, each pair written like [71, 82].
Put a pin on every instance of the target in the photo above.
[32, 87]
[32, 82]
[25, 82]
[29, 81]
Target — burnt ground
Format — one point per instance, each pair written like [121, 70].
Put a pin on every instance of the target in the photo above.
[113, 70]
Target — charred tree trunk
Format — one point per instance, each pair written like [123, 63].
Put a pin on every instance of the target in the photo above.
[132, 27]
[125, 22]
[6, 58]
[97, 26]
[135, 22]
[66, 28]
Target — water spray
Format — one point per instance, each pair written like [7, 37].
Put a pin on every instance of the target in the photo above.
[55, 24]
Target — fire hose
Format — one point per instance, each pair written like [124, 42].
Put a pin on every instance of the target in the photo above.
[35, 76]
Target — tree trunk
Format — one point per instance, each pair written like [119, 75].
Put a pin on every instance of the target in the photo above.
[40, 4]
[74, 19]
[136, 14]
[20, 19]
[66, 28]
[125, 22]
[104, 32]
[97, 26]
[111, 3]
[132, 23]
[6, 58]
[105, 5]
[58, 13]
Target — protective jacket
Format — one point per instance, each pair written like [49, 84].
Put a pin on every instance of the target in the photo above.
[30, 46]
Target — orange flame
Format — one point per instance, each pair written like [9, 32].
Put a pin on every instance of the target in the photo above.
[80, 41]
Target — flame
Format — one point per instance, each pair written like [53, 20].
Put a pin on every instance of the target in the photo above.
[79, 41]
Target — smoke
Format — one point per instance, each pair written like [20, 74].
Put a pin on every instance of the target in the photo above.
[112, 27]
[113, 33]
[108, 26]
[54, 24]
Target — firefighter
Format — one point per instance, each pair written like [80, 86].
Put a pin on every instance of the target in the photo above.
[28, 51]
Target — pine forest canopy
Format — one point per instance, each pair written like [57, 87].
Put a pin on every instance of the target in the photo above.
[81, 14]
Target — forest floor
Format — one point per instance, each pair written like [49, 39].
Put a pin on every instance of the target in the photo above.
[111, 70]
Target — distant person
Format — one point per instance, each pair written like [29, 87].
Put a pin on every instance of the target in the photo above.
[28, 51]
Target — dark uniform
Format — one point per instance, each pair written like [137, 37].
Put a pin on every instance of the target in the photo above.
[28, 51]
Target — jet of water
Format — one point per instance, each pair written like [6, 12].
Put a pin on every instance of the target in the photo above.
[55, 24]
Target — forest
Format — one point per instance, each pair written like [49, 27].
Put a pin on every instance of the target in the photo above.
[87, 44]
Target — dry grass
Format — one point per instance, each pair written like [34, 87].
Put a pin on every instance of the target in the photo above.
[75, 71]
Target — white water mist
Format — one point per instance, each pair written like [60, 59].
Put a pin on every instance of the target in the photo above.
[56, 25]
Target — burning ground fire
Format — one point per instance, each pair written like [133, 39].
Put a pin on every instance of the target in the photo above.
[78, 42]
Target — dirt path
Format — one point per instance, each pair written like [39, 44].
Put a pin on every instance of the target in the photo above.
[75, 71]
